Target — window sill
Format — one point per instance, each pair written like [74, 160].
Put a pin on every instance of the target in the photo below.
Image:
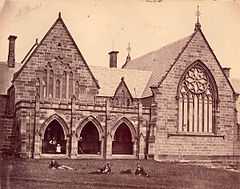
[195, 135]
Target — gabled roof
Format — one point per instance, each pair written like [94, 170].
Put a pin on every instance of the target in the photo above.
[59, 19]
[159, 62]
[236, 84]
[109, 79]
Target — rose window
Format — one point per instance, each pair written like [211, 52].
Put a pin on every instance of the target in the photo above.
[196, 80]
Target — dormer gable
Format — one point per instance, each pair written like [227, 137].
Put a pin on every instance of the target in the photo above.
[122, 95]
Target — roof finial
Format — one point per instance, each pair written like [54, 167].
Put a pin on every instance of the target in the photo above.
[198, 25]
[36, 42]
[59, 14]
[128, 56]
[129, 48]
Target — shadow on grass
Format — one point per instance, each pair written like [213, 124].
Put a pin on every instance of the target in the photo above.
[35, 174]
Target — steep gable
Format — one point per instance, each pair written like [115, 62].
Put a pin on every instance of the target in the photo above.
[122, 94]
[196, 49]
[59, 51]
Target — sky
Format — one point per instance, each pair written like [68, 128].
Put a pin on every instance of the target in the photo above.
[99, 26]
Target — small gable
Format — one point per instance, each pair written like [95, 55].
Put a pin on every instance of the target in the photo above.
[122, 96]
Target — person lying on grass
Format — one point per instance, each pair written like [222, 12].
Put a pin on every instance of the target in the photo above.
[55, 165]
[105, 170]
[140, 171]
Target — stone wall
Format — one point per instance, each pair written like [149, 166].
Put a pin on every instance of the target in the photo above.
[103, 116]
[173, 145]
[6, 127]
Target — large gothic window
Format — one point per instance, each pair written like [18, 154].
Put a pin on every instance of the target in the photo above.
[197, 97]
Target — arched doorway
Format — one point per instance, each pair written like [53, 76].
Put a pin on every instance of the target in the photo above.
[122, 143]
[89, 140]
[54, 140]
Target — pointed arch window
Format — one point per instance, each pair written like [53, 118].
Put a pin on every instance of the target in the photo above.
[197, 101]
[51, 84]
[57, 88]
[77, 89]
[64, 84]
[44, 84]
[70, 85]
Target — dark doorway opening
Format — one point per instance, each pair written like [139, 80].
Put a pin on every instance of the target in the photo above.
[89, 140]
[122, 143]
[53, 142]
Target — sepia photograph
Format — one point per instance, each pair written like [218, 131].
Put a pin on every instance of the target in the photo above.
[124, 94]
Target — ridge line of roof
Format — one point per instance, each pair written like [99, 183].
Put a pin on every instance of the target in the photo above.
[177, 57]
[159, 49]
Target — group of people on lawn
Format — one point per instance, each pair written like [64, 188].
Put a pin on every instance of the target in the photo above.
[106, 169]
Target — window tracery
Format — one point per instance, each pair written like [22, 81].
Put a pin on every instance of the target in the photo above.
[196, 101]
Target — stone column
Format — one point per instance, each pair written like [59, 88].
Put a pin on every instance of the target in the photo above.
[36, 130]
[74, 151]
[106, 130]
[72, 132]
[140, 132]
[23, 133]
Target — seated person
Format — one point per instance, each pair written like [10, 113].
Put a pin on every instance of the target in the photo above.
[140, 171]
[55, 165]
[106, 169]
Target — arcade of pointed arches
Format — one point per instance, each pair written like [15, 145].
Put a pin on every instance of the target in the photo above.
[54, 135]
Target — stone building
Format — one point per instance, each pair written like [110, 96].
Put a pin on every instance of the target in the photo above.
[175, 103]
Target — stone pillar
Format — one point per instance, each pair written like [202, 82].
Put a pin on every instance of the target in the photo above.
[23, 133]
[36, 127]
[142, 147]
[140, 132]
[74, 150]
[109, 145]
[106, 131]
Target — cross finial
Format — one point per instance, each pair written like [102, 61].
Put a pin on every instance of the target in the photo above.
[129, 48]
[197, 25]
[198, 13]
[128, 58]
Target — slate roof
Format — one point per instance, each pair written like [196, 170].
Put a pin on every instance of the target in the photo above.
[236, 84]
[109, 79]
[6, 76]
[159, 62]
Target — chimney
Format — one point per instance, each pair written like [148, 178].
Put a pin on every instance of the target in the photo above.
[113, 59]
[11, 51]
[227, 72]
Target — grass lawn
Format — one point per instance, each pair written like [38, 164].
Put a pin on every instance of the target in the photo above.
[35, 174]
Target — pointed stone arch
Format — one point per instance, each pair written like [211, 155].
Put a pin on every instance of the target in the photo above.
[123, 137]
[95, 122]
[199, 63]
[128, 123]
[89, 135]
[53, 117]
[197, 96]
